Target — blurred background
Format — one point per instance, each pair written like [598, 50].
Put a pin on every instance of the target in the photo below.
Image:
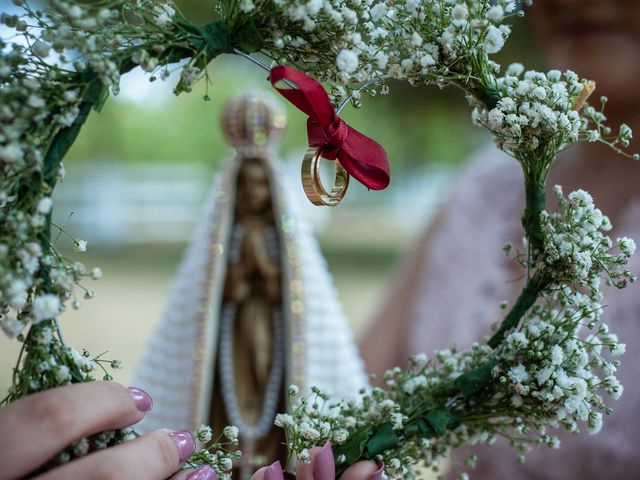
[139, 172]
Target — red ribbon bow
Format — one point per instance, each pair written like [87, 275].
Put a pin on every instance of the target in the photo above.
[362, 157]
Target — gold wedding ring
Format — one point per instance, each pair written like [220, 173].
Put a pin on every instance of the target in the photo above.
[312, 183]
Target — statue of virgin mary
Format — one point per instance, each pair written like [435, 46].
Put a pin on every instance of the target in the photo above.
[253, 307]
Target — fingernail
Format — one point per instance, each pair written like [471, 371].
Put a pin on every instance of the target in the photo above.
[377, 474]
[185, 442]
[274, 472]
[324, 468]
[142, 399]
[204, 472]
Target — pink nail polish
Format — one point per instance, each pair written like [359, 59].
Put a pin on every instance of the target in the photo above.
[142, 399]
[377, 474]
[204, 472]
[324, 467]
[185, 442]
[274, 472]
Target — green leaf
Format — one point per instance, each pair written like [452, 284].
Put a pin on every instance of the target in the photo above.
[440, 419]
[354, 448]
[216, 36]
[475, 380]
[489, 95]
[102, 95]
[413, 429]
[382, 439]
[248, 38]
[186, 25]
[191, 30]
[443, 391]
[212, 38]
[95, 94]
[426, 429]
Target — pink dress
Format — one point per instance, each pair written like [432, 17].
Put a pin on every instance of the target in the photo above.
[466, 277]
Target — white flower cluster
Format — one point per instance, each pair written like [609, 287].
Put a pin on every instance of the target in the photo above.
[538, 114]
[440, 41]
[576, 247]
[314, 422]
[551, 371]
[535, 112]
[347, 42]
[216, 453]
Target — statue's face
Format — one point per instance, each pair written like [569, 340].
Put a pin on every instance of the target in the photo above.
[254, 194]
[598, 39]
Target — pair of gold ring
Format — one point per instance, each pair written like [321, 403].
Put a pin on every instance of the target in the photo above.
[312, 183]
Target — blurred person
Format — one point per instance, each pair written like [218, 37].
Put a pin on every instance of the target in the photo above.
[451, 286]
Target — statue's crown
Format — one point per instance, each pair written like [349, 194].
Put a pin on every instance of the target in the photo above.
[253, 119]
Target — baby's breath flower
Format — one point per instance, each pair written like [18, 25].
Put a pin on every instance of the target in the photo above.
[397, 420]
[495, 13]
[231, 432]
[247, 6]
[347, 61]
[494, 41]
[204, 433]
[62, 374]
[293, 390]
[557, 355]
[595, 422]
[116, 364]
[80, 245]
[45, 307]
[419, 360]
[96, 273]
[11, 327]
[44, 205]
[304, 456]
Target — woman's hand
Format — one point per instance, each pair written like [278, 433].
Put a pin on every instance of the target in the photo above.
[35, 428]
[322, 467]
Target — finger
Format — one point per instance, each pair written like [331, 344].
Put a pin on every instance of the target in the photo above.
[152, 457]
[364, 470]
[320, 467]
[35, 428]
[205, 472]
[272, 472]
[261, 473]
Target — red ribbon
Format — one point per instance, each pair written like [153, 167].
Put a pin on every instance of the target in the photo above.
[362, 157]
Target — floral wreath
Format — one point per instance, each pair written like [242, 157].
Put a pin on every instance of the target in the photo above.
[548, 361]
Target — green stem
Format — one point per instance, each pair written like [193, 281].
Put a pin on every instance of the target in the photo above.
[535, 197]
[525, 301]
